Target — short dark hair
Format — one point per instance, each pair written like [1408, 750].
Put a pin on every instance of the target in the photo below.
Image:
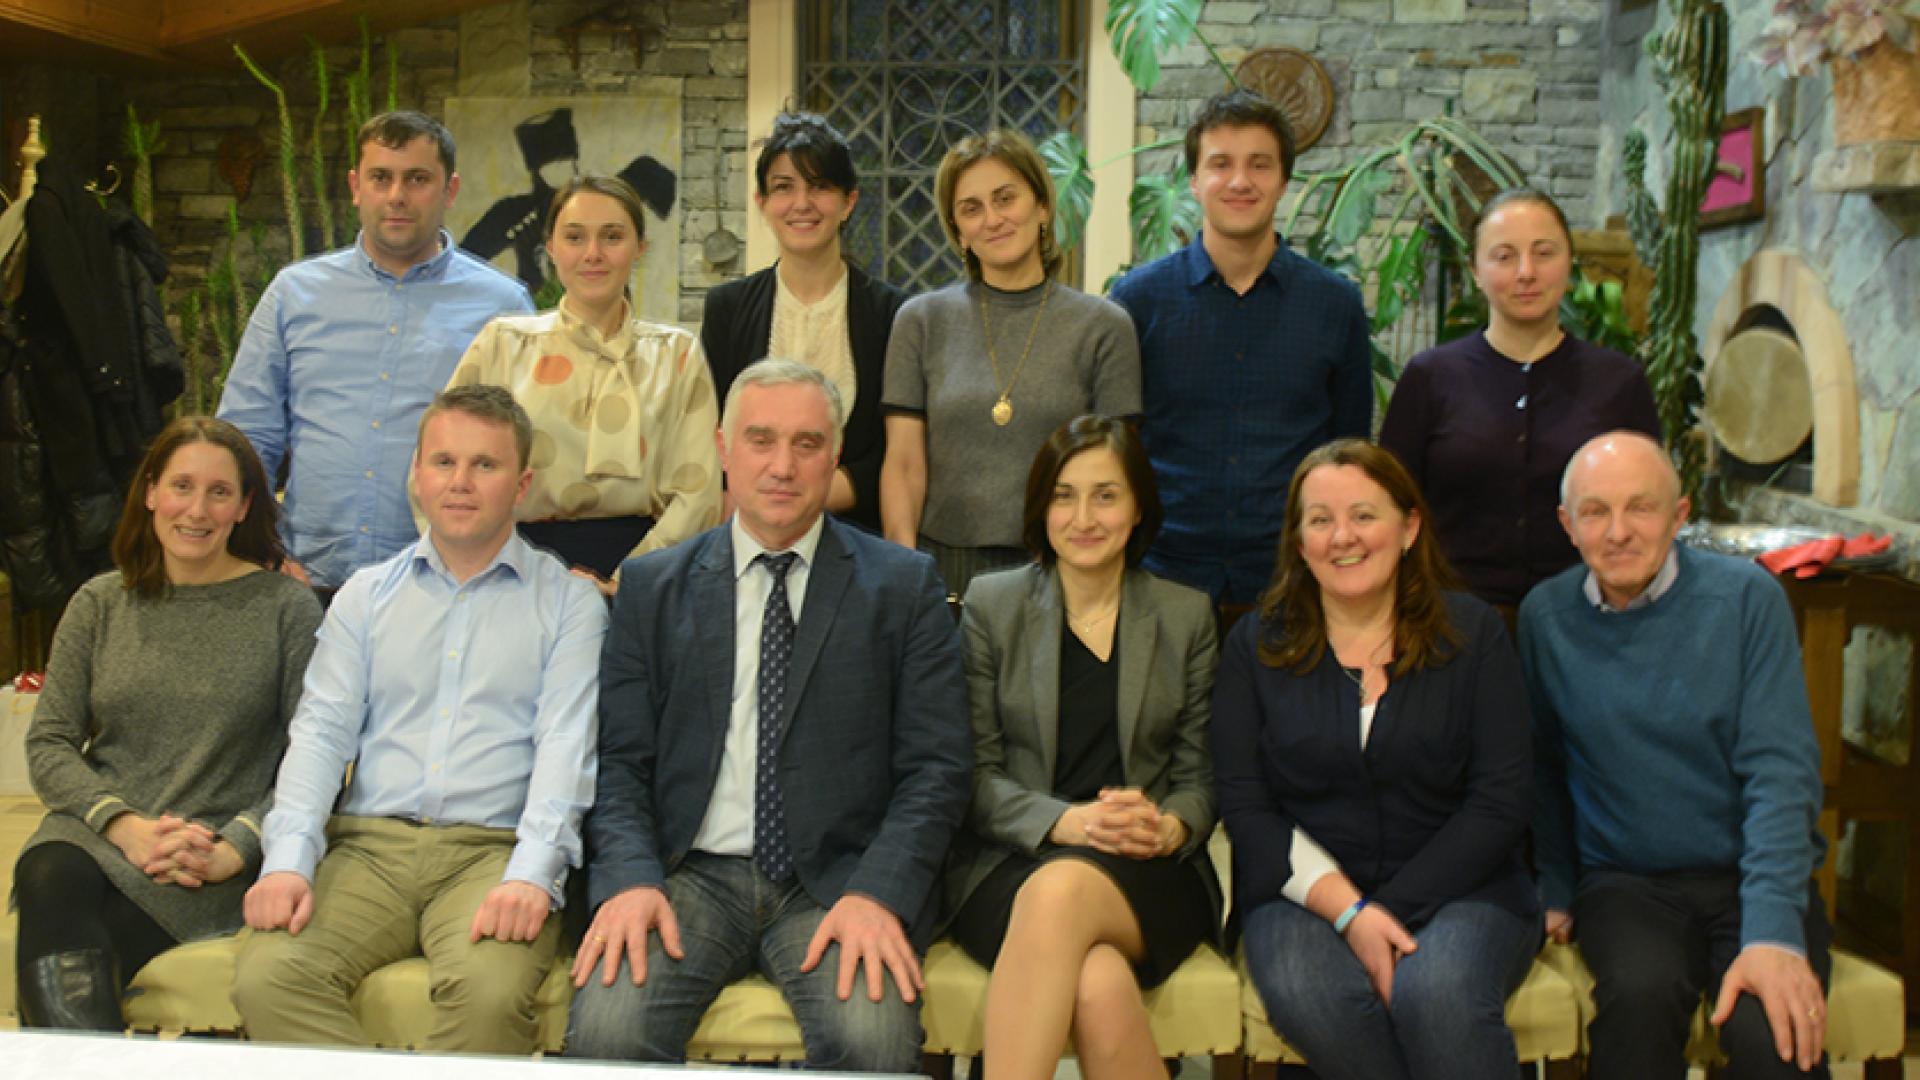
[819, 153]
[1509, 197]
[1076, 437]
[255, 537]
[394, 130]
[491, 403]
[612, 187]
[1241, 108]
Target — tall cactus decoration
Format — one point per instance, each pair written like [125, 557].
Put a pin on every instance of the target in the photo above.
[289, 158]
[359, 91]
[1690, 62]
[316, 152]
[1642, 213]
[141, 141]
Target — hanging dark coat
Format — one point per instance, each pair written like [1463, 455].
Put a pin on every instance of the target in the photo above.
[90, 368]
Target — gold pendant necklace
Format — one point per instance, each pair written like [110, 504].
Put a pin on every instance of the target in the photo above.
[1003, 408]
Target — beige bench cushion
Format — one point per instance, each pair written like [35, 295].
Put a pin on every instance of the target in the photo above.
[1194, 1013]
[186, 988]
[1543, 1013]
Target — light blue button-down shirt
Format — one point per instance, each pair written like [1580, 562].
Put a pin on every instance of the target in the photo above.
[337, 363]
[472, 704]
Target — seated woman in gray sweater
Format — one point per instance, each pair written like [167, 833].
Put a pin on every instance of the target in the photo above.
[155, 742]
[981, 372]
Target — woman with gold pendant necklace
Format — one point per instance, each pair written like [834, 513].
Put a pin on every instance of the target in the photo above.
[981, 372]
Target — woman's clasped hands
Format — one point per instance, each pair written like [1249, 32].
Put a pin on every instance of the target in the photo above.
[1122, 821]
[174, 851]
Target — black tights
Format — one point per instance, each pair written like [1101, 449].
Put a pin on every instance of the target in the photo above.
[68, 904]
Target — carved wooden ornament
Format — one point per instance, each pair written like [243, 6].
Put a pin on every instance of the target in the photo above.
[1298, 84]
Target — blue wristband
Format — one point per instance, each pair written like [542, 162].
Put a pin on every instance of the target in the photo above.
[1346, 917]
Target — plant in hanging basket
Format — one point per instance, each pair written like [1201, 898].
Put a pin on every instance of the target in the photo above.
[1806, 33]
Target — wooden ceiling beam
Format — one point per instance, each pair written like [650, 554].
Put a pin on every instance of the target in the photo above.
[123, 26]
[200, 33]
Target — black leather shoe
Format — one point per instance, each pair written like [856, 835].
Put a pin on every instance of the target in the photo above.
[75, 990]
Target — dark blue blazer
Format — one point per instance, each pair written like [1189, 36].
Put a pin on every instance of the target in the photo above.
[876, 755]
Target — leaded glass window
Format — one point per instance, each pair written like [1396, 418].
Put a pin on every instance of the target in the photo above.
[906, 79]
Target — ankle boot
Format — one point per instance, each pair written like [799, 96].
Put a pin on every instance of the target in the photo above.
[76, 990]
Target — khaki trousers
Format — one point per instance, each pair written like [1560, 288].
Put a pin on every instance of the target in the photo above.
[387, 890]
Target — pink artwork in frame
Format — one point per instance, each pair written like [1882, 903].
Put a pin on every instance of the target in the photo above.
[1738, 190]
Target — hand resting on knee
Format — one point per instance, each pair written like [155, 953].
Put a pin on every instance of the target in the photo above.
[620, 928]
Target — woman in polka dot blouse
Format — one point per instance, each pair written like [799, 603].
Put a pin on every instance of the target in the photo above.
[623, 410]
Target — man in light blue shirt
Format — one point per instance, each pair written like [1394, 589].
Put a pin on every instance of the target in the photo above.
[460, 679]
[345, 350]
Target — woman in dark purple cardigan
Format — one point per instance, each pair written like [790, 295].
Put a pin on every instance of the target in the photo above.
[1487, 422]
[1374, 767]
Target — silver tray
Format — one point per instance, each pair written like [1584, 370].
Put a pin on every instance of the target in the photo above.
[1747, 540]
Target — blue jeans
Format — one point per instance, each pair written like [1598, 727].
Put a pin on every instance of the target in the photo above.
[734, 921]
[1448, 1018]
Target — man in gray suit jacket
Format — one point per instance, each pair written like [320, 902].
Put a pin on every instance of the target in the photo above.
[784, 755]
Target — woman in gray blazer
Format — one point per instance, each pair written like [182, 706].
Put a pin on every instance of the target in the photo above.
[1082, 874]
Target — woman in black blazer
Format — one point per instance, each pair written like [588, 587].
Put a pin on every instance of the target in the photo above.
[1371, 749]
[812, 306]
[1082, 873]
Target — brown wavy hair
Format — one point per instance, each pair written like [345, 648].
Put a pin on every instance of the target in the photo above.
[255, 538]
[1293, 622]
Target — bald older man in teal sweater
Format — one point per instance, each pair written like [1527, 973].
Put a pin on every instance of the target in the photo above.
[1678, 782]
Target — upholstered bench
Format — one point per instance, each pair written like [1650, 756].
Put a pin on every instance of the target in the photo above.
[1866, 1013]
[1544, 1014]
[185, 989]
[1196, 1012]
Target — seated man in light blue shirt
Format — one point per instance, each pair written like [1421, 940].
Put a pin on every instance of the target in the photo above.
[344, 351]
[460, 678]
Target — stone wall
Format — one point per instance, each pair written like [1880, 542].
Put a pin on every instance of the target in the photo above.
[510, 49]
[1525, 73]
[1863, 246]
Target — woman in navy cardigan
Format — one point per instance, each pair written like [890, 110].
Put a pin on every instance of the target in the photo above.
[1486, 423]
[1372, 757]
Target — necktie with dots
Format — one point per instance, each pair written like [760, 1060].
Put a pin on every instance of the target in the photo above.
[770, 850]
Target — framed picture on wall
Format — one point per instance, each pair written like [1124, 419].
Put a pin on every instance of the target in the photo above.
[1738, 190]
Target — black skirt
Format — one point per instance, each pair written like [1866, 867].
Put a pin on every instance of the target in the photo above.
[1168, 897]
[599, 544]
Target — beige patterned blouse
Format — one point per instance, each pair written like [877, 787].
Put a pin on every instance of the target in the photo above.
[622, 425]
[816, 335]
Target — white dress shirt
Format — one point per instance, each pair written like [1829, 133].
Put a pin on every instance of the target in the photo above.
[728, 827]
